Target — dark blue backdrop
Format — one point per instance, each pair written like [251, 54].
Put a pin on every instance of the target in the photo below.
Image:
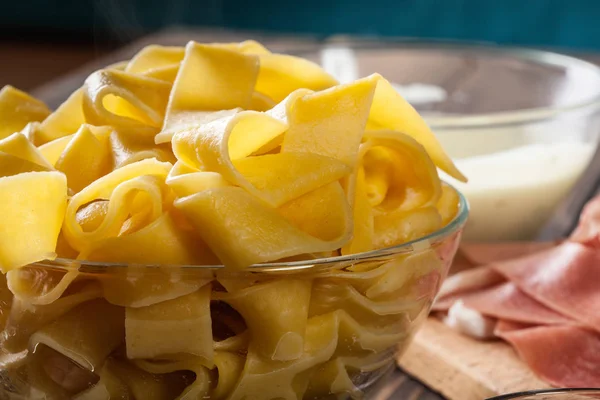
[563, 23]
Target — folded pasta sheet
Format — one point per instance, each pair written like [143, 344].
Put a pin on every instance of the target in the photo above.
[133, 217]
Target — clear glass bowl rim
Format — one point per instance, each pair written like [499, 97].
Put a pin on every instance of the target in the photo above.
[515, 117]
[405, 248]
[551, 392]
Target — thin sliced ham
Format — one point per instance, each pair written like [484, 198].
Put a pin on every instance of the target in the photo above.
[588, 229]
[565, 278]
[506, 301]
[542, 298]
[564, 355]
[470, 269]
[466, 282]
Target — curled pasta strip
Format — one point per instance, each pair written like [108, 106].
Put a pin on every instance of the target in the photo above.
[25, 318]
[187, 184]
[123, 380]
[127, 102]
[391, 111]
[276, 312]
[128, 149]
[398, 175]
[334, 376]
[394, 190]
[40, 286]
[109, 386]
[229, 368]
[121, 187]
[202, 381]
[221, 146]
[157, 242]
[292, 377]
[87, 334]
[328, 297]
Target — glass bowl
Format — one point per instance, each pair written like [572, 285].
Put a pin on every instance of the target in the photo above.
[553, 394]
[521, 124]
[322, 329]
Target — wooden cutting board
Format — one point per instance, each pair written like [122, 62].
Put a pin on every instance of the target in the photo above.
[461, 368]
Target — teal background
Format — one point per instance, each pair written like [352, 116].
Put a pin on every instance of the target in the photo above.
[560, 23]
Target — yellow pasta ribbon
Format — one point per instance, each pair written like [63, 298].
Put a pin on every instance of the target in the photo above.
[448, 203]
[330, 123]
[17, 109]
[282, 74]
[229, 368]
[85, 158]
[129, 148]
[160, 62]
[25, 318]
[109, 387]
[393, 190]
[120, 187]
[202, 381]
[188, 184]
[288, 379]
[392, 111]
[221, 146]
[65, 121]
[54, 149]
[276, 315]
[208, 154]
[83, 337]
[40, 286]
[18, 146]
[126, 380]
[143, 106]
[398, 174]
[31, 217]
[150, 330]
[210, 78]
[228, 218]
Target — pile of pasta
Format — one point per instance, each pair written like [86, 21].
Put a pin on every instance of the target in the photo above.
[213, 154]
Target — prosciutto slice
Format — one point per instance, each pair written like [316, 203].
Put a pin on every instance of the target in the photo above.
[546, 305]
[506, 301]
[562, 355]
[565, 278]
[588, 230]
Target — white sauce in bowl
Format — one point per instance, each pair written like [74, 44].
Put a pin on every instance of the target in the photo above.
[513, 192]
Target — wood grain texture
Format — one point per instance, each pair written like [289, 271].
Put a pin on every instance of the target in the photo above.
[461, 368]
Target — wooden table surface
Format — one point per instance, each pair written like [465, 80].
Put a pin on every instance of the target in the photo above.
[52, 71]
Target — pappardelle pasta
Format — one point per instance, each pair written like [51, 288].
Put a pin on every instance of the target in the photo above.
[120, 206]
